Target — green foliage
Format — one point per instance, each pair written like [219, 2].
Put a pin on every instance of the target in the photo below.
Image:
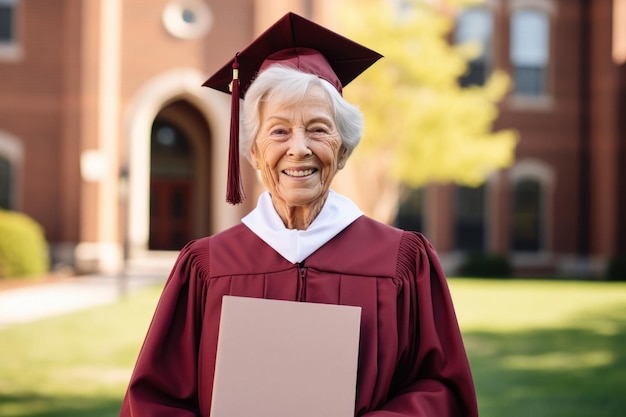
[616, 269]
[485, 265]
[418, 118]
[23, 248]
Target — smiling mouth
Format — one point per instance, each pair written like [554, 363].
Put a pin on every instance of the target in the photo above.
[299, 172]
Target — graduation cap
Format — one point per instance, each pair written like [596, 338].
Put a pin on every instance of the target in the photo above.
[291, 41]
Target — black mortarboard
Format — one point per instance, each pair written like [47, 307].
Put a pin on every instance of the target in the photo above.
[293, 41]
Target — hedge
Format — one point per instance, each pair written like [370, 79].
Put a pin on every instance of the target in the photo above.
[23, 248]
[616, 268]
[488, 265]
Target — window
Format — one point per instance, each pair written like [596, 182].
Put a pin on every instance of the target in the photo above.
[530, 52]
[7, 21]
[9, 47]
[470, 218]
[5, 184]
[11, 157]
[526, 221]
[411, 211]
[532, 196]
[170, 151]
[476, 25]
[187, 19]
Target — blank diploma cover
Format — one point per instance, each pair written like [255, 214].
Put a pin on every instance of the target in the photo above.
[285, 359]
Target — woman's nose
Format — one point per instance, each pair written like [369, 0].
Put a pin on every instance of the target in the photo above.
[299, 144]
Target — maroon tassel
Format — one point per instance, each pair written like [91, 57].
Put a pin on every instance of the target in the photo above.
[234, 187]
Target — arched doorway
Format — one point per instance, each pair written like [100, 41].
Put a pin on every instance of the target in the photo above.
[171, 184]
[179, 206]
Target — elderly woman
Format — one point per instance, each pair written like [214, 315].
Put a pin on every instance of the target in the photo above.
[303, 242]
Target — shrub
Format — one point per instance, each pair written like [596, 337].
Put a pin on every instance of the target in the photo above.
[485, 265]
[616, 268]
[23, 248]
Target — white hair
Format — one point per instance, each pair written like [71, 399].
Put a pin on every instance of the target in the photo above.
[289, 85]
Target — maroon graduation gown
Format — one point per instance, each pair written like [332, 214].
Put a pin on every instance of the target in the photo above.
[411, 361]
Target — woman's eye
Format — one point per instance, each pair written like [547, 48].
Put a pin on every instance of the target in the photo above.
[318, 130]
[278, 131]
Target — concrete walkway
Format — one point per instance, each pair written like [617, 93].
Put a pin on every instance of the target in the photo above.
[34, 302]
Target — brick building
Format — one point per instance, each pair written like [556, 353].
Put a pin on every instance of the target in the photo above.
[106, 137]
[560, 208]
[108, 141]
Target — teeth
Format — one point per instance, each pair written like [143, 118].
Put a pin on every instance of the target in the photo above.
[295, 173]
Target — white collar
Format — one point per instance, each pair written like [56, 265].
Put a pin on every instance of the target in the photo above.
[296, 245]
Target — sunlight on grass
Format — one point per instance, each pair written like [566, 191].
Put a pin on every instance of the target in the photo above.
[559, 360]
[514, 305]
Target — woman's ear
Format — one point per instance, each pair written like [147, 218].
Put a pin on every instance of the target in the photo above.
[254, 158]
[342, 157]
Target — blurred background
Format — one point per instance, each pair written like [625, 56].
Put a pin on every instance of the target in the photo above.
[494, 127]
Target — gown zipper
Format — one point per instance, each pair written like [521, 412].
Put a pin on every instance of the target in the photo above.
[301, 282]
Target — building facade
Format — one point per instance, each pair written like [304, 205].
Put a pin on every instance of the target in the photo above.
[106, 137]
[559, 210]
[108, 141]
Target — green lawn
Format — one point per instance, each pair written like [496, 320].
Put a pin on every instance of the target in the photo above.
[76, 365]
[545, 348]
[537, 348]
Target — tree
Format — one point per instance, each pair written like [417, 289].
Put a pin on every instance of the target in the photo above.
[421, 126]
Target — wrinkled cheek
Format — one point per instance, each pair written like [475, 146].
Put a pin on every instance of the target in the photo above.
[329, 173]
[269, 177]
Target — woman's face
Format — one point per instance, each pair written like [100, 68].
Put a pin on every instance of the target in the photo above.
[298, 149]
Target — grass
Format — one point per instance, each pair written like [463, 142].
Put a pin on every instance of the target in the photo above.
[545, 348]
[73, 365]
[537, 348]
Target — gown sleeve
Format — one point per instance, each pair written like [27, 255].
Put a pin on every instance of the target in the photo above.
[164, 381]
[434, 377]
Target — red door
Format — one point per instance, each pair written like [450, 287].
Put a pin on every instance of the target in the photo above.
[170, 213]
